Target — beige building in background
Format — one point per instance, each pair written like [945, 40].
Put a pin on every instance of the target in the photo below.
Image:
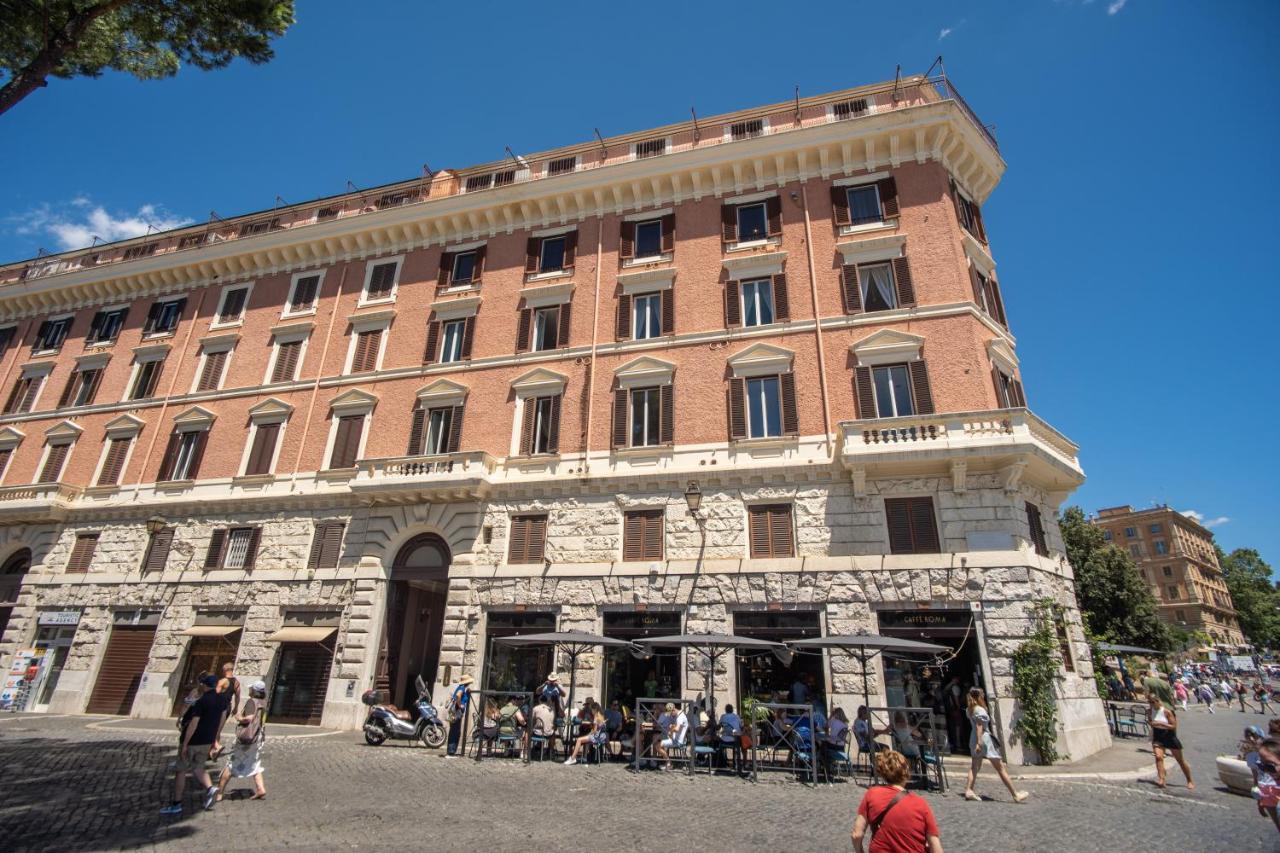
[1178, 561]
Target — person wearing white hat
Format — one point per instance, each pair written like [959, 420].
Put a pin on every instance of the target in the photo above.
[552, 691]
[246, 753]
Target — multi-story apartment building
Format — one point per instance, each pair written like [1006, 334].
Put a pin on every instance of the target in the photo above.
[1177, 559]
[746, 374]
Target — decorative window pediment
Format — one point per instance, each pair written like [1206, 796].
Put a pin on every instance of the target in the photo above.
[353, 402]
[761, 360]
[1002, 355]
[755, 266]
[93, 362]
[539, 382]
[194, 418]
[270, 410]
[871, 249]
[219, 343]
[547, 294]
[63, 432]
[292, 331]
[454, 309]
[11, 437]
[124, 426]
[371, 320]
[645, 371]
[150, 352]
[647, 281]
[887, 346]
[978, 255]
[442, 392]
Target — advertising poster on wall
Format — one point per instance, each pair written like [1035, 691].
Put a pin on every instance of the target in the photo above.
[21, 679]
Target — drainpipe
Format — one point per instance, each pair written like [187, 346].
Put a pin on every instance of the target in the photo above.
[315, 386]
[817, 324]
[595, 339]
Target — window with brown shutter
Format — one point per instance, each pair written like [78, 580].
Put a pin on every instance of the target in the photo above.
[770, 531]
[382, 279]
[528, 539]
[23, 396]
[81, 387]
[304, 295]
[53, 463]
[5, 455]
[1009, 394]
[1064, 642]
[233, 305]
[6, 339]
[82, 552]
[326, 545]
[147, 379]
[913, 529]
[113, 464]
[365, 356]
[346, 441]
[263, 449]
[285, 368]
[642, 534]
[211, 374]
[233, 548]
[158, 548]
[540, 426]
[1036, 526]
[986, 293]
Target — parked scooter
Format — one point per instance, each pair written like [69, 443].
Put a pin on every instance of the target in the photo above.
[389, 722]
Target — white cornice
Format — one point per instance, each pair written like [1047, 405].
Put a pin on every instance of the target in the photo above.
[887, 346]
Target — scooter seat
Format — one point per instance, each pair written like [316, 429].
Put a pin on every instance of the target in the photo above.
[399, 714]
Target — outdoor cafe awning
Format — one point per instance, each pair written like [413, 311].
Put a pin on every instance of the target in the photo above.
[210, 630]
[1127, 650]
[300, 635]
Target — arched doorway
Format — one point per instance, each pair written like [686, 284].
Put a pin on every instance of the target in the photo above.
[11, 574]
[415, 617]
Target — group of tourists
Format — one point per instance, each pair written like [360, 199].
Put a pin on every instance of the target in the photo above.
[212, 701]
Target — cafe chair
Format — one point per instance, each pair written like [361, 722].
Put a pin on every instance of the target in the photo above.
[542, 743]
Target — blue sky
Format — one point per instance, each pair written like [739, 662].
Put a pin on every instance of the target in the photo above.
[1133, 230]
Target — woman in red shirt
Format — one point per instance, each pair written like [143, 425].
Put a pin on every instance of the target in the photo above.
[900, 822]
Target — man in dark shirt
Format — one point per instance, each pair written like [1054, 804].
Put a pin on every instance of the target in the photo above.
[200, 725]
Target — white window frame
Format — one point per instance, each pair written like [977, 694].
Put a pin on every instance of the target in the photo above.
[141, 356]
[70, 318]
[639, 258]
[166, 300]
[460, 323]
[229, 347]
[369, 267]
[636, 316]
[293, 287]
[737, 215]
[864, 284]
[631, 415]
[728, 129]
[443, 437]
[453, 272]
[217, 323]
[178, 462]
[742, 298]
[875, 394]
[746, 393]
[539, 425]
[44, 457]
[370, 323]
[279, 338]
[546, 170]
[39, 371]
[542, 252]
[666, 149]
[538, 314]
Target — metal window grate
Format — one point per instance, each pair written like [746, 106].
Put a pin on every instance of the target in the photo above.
[747, 129]
[394, 199]
[849, 109]
[561, 166]
[261, 226]
[651, 148]
[191, 241]
[326, 213]
[502, 179]
[479, 182]
[139, 251]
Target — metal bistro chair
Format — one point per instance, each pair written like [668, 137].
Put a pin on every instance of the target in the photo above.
[840, 755]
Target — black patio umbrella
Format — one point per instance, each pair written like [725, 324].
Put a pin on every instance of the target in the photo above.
[1128, 650]
[714, 646]
[865, 647]
[572, 643]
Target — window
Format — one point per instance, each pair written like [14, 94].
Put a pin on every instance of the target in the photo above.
[757, 302]
[51, 334]
[1173, 591]
[163, 317]
[113, 461]
[548, 255]
[1168, 571]
[892, 385]
[1064, 643]
[1130, 532]
[302, 296]
[6, 338]
[986, 292]
[287, 356]
[105, 326]
[327, 213]
[1009, 394]
[770, 531]
[528, 539]
[540, 428]
[146, 379]
[326, 545]
[158, 547]
[753, 222]
[1037, 530]
[451, 348]
[849, 109]
[55, 457]
[1106, 535]
[364, 351]
[233, 304]
[348, 431]
[651, 148]
[191, 241]
[875, 283]
[649, 239]
[380, 280]
[562, 166]
[648, 316]
[1155, 528]
[764, 407]
[546, 329]
[969, 214]
[864, 204]
[643, 417]
[233, 548]
[746, 129]
[215, 364]
[464, 267]
[395, 199]
[182, 456]
[24, 393]
[461, 269]
[142, 251]
[763, 301]
[81, 387]
[1180, 615]
[1161, 546]
[646, 417]
[551, 257]
[449, 340]
[912, 526]
[1135, 551]
[642, 534]
[82, 552]
[261, 226]
[435, 431]
[6, 453]
[262, 450]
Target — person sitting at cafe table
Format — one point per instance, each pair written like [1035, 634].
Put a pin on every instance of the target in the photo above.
[865, 733]
[906, 737]
[730, 731]
[596, 737]
[544, 720]
[675, 730]
[510, 719]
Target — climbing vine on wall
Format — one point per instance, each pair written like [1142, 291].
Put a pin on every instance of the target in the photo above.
[1035, 669]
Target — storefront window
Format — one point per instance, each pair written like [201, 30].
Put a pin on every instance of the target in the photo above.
[517, 668]
[762, 675]
[628, 678]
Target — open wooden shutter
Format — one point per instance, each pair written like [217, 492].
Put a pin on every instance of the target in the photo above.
[217, 548]
[737, 408]
[553, 432]
[996, 301]
[153, 319]
[781, 299]
[732, 304]
[888, 198]
[53, 463]
[170, 456]
[197, 454]
[627, 241]
[620, 431]
[113, 465]
[1002, 397]
[68, 389]
[773, 211]
[251, 550]
[522, 329]
[924, 528]
[91, 337]
[158, 550]
[1037, 530]
[532, 252]
[264, 447]
[468, 336]
[668, 299]
[920, 387]
[233, 305]
[570, 249]
[433, 340]
[478, 269]
[446, 270]
[977, 221]
[729, 223]
[976, 284]
[214, 362]
[902, 280]
[851, 289]
[528, 416]
[840, 206]
[455, 430]
[5, 455]
[622, 323]
[286, 366]
[415, 431]
[1015, 388]
[864, 393]
[667, 422]
[668, 233]
[562, 326]
[790, 414]
[955, 200]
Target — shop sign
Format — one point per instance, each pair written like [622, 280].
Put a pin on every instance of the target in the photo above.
[924, 619]
[60, 617]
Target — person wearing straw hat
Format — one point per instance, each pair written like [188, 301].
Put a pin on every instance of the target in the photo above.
[459, 702]
[555, 694]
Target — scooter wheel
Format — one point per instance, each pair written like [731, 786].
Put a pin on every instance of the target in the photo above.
[374, 735]
[433, 736]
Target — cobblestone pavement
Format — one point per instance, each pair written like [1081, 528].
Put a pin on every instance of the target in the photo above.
[82, 783]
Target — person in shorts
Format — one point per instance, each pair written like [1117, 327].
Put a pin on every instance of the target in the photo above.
[674, 733]
[199, 732]
[1164, 737]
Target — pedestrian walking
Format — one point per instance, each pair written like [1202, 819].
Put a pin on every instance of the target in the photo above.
[1205, 694]
[1164, 737]
[899, 820]
[195, 746]
[1155, 685]
[982, 744]
[229, 688]
[246, 752]
[1262, 696]
[1180, 693]
[459, 702]
[1268, 790]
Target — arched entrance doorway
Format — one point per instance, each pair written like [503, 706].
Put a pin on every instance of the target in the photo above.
[415, 617]
[11, 574]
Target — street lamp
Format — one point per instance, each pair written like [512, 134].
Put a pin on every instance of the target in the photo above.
[693, 497]
[155, 524]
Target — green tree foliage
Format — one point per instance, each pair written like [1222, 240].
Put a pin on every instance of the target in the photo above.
[40, 39]
[1255, 597]
[1115, 601]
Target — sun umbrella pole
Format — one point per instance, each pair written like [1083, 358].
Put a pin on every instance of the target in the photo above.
[573, 677]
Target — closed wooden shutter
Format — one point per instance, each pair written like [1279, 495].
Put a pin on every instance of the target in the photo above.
[529, 412]
[732, 305]
[158, 547]
[668, 299]
[346, 441]
[622, 322]
[432, 351]
[642, 534]
[668, 233]
[123, 663]
[888, 189]
[1037, 530]
[528, 539]
[170, 457]
[632, 536]
[570, 249]
[217, 548]
[562, 326]
[790, 412]
[851, 289]
[522, 329]
[326, 545]
[415, 431]
[553, 432]
[729, 223]
[770, 532]
[82, 553]
[902, 280]
[365, 357]
[532, 254]
[996, 301]
[211, 375]
[5, 455]
[621, 433]
[478, 270]
[627, 241]
[286, 366]
[263, 449]
[840, 206]
[233, 305]
[304, 293]
[113, 465]
[781, 299]
[53, 462]
[923, 397]
[1002, 395]
[737, 408]
[912, 526]
[446, 270]
[69, 388]
[468, 336]
[773, 211]
[455, 430]
[381, 280]
[667, 428]
[864, 393]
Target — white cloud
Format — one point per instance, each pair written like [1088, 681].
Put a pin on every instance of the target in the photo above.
[74, 224]
[1198, 518]
[944, 32]
[1115, 6]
